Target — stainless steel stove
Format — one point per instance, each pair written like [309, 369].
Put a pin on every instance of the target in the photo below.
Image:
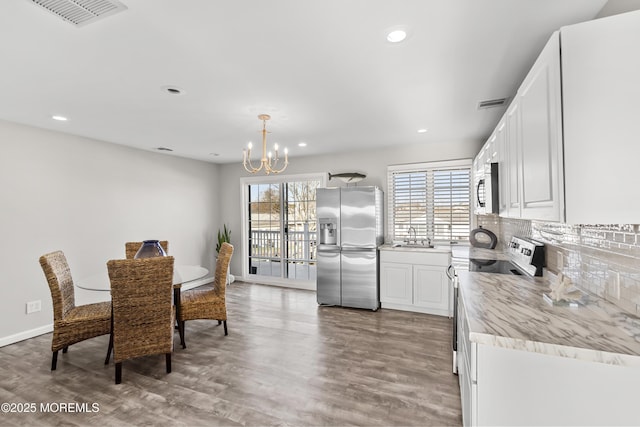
[526, 257]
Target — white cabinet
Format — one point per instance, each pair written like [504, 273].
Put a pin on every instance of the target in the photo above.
[601, 89]
[466, 375]
[513, 160]
[541, 161]
[523, 388]
[528, 144]
[503, 386]
[501, 159]
[396, 283]
[415, 281]
[431, 288]
[570, 148]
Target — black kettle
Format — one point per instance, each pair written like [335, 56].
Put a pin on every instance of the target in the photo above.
[482, 238]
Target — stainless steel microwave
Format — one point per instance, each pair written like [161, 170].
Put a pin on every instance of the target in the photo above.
[486, 190]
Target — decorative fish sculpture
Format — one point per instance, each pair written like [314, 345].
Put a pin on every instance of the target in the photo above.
[349, 177]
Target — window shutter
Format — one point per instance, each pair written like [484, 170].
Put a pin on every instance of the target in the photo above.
[433, 198]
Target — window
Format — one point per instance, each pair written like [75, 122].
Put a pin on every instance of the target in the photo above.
[433, 198]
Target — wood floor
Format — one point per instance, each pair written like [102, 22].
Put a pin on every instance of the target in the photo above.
[285, 362]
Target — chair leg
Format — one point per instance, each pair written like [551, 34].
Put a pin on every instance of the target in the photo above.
[225, 327]
[106, 361]
[118, 372]
[64, 350]
[168, 358]
[54, 360]
[181, 332]
[219, 322]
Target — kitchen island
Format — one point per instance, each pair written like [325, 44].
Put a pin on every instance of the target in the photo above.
[523, 361]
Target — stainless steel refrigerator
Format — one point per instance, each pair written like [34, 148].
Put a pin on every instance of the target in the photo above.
[350, 227]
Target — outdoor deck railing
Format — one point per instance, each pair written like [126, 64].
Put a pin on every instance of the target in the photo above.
[301, 245]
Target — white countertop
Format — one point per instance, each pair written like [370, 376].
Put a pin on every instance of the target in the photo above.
[467, 252]
[436, 249]
[509, 311]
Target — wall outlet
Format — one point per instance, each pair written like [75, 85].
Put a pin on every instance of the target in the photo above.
[34, 306]
[613, 284]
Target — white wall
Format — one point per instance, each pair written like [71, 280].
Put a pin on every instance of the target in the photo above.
[615, 7]
[371, 163]
[87, 198]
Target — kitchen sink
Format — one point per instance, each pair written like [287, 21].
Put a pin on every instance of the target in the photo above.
[412, 245]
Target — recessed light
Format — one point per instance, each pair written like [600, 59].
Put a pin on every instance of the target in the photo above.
[164, 149]
[422, 131]
[396, 36]
[173, 90]
[59, 118]
[214, 154]
[302, 144]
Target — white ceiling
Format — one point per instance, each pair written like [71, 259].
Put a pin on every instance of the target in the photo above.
[322, 69]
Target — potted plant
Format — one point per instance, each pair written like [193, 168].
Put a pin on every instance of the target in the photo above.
[225, 236]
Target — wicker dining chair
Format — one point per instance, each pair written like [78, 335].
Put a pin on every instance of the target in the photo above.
[143, 311]
[71, 323]
[131, 248]
[207, 303]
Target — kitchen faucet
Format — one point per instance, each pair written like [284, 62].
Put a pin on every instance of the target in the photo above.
[429, 245]
[415, 235]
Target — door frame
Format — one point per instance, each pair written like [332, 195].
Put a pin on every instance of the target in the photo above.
[244, 249]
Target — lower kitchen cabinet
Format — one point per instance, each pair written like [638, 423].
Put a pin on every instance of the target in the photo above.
[504, 386]
[415, 281]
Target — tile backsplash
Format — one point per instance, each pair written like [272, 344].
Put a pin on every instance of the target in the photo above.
[600, 259]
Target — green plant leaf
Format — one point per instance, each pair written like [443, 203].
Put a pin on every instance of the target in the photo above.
[223, 236]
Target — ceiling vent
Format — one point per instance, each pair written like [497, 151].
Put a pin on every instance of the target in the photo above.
[81, 12]
[492, 103]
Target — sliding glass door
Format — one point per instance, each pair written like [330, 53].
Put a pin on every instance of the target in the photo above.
[280, 227]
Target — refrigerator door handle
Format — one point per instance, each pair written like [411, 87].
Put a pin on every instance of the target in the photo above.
[328, 248]
[361, 249]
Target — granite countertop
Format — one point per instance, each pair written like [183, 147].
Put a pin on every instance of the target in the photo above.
[510, 311]
[467, 252]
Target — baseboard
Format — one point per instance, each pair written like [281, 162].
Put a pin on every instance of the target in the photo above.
[415, 309]
[25, 335]
[307, 286]
[196, 283]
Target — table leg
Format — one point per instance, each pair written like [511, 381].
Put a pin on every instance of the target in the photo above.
[180, 324]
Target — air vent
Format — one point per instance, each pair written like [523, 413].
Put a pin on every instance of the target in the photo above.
[492, 103]
[81, 12]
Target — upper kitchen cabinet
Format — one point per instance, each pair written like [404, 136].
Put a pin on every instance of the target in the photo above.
[601, 107]
[499, 141]
[539, 138]
[527, 144]
[569, 147]
[511, 162]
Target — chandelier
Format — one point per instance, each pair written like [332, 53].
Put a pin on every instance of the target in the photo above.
[268, 162]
